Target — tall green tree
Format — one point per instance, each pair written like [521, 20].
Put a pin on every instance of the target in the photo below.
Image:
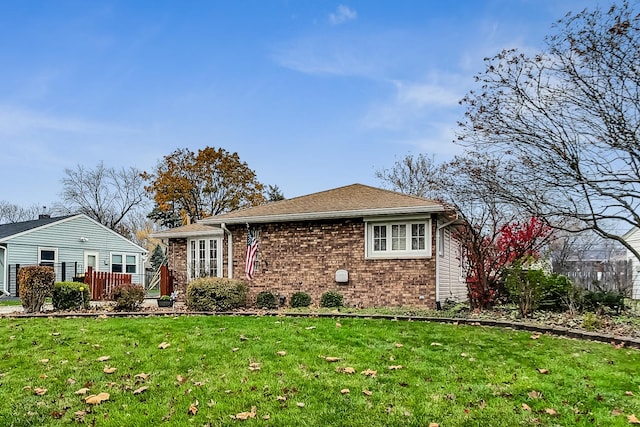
[195, 185]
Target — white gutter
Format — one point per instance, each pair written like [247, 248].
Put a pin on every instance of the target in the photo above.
[308, 216]
[5, 273]
[438, 231]
[229, 251]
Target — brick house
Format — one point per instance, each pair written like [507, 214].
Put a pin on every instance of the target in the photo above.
[375, 247]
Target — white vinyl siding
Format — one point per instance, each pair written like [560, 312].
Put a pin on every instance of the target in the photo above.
[450, 268]
[398, 239]
[72, 238]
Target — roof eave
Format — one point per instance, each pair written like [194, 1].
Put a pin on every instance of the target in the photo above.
[186, 234]
[310, 216]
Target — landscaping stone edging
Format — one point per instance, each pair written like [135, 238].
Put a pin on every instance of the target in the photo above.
[551, 330]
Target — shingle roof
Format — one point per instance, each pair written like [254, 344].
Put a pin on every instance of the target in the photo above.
[7, 230]
[351, 201]
[189, 230]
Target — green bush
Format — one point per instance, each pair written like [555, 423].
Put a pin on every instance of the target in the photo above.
[266, 299]
[532, 288]
[36, 284]
[591, 322]
[599, 300]
[128, 297]
[331, 299]
[70, 296]
[300, 299]
[216, 294]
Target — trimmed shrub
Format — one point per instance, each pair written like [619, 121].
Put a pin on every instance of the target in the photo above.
[300, 299]
[266, 299]
[128, 297]
[70, 296]
[216, 294]
[36, 284]
[331, 299]
[603, 300]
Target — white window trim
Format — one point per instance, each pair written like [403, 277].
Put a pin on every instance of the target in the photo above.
[55, 257]
[391, 254]
[207, 249]
[124, 262]
[86, 259]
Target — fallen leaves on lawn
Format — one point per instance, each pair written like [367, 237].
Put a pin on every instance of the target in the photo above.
[330, 359]
[338, 325]
[394, 367]
[181, 379]
[346, 370]
[254, 366]
[628, 393]
[142, 376]
[193, 408]
[369, 373]
[345, 391]
[535, 336]
[436, 344]
[281, 398]
[535, 394]
[44, 360]
[163, 345]
[39, 391]
[140, 390]
[83, 390]
[398, 345]
[543, 371]
[526, 407]
[103, 358]
[80, 416]
[308, 328]
[367, 392]
[108, 370]
[96, 399]
[245, 415]
[551, 412]
[281, 353]
[633, 419]
[300, 404]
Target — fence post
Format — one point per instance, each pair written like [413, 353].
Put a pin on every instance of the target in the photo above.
[64, 271]
[17, 281]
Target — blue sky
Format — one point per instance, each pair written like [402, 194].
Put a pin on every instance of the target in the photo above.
[311, 94]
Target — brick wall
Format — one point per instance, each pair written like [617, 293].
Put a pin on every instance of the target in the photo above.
[177, 261]
[304, 256]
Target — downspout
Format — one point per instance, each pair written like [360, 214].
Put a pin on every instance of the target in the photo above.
[439, 229]
[229, 250]
[5, 273]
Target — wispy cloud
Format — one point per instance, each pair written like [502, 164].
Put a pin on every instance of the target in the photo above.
[14, 120]
[342, 14]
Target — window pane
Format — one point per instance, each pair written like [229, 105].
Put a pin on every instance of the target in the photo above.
[116, 268]
[116, 259]
[47, 255]
[131, 268]
[379, 237]
[131, 259]
[398, 237]
[418, 237]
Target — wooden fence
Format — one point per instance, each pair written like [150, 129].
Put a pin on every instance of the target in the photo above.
[166, 280]
[101, 283]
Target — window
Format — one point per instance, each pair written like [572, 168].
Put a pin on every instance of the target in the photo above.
[47, 256]
[398, 239]
[203, 258]
[124, 263]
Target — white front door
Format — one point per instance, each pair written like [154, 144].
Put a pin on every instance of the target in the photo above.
[91, 260]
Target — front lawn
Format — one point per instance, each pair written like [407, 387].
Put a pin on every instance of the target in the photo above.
[201, 371]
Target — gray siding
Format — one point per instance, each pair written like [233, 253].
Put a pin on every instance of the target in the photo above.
[65, 236]
[633, 238]
[452, 284]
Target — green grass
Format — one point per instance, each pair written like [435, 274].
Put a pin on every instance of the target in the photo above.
[10, 302]
[451, 375]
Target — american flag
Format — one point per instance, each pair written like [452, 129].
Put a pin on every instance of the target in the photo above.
[252, 251]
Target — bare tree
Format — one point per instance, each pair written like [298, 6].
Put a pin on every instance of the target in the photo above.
[564, 125]
[10, 212]
[411, 175]
[105, 194]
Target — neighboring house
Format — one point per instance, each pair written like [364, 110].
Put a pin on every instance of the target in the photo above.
[375, 247]
[69, 244]
[633, 238]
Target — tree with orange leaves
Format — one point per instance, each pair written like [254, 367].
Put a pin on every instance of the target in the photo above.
[193, 185]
